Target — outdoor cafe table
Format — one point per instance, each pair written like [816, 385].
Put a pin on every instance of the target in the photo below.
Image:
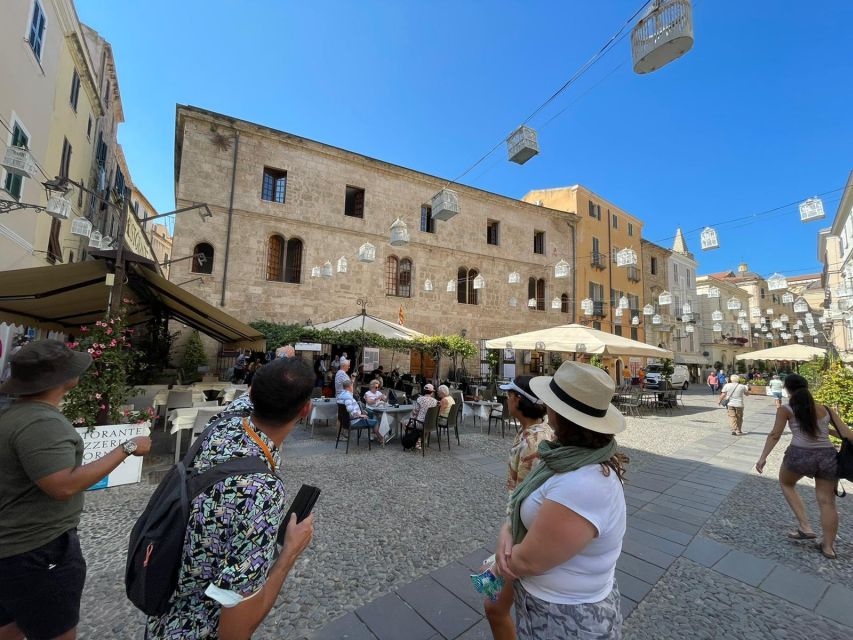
[393, 417]
[228, 394]
[322, 409]
[162, 396]
[182, 419]
[478, 409]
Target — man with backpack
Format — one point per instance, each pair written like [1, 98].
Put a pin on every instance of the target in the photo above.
[42, 480]
[229, 576]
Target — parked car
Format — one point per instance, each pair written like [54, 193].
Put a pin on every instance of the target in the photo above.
[654, 377]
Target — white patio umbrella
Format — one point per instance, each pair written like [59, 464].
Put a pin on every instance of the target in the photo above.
[370, 324]
[790, 352]
[576, 338]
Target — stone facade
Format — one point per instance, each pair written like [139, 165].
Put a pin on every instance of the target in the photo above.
[835, 251]
[682, 284]
[723, 346]
[313, 212]
[655, 262]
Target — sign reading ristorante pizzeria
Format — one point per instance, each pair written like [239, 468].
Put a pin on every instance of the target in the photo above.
[135, 239]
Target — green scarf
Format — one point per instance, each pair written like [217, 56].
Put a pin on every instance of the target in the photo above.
[554, 458]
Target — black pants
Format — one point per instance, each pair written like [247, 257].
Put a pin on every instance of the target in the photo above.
[40, 590]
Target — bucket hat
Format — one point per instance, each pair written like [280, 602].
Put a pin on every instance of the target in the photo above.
[44, 365]
[581, 393]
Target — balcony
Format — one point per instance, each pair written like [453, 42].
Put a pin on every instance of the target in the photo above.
[598, 261]
[598, 309]
[633, 274]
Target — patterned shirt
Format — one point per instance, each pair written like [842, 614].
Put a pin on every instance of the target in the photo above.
[422, 404]
[340, 377]
[230, 543]
[524, 454]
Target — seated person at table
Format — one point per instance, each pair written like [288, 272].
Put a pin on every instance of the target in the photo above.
[422, 404]
[445, 401]
[356, 415]
[374, 396]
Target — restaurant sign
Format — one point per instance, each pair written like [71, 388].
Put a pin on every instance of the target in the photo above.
[134, 238]
[102, 440]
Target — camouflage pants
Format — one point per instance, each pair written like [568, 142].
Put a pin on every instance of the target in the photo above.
[537, 619]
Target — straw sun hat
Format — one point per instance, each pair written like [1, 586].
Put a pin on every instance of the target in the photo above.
[581, 393]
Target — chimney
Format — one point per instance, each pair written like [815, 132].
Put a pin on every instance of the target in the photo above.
[742, 268]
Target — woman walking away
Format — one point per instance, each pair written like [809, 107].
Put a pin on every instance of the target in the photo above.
[567, 518]
[530, 412]
[775, 386]
[810, 454]
[712, 381]
[732, 394]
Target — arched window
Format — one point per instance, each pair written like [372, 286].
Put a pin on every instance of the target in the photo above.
[465, 291]
[398, 277]
[275, 259]
[293, 261]
[531, 290]
[202, 258]
[540, 294]
[564, 303]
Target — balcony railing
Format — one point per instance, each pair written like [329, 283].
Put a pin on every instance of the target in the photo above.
[633, 274]
[598, 309]
[598, 261]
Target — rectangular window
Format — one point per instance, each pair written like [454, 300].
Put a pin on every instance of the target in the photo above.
[65, 161]
[14, 184]
[675, 272]
[654, 266]
[89, 129]
[615, 219]
[596, 325]
[118, 185]
[54, 250]
[107, 94]
[354, 202]
[37, 25]
[630, 229]
[274, 188]
[75, 89]
[594, 210]
[539, 242]
[634, 333]
[427, 223]
[613, 251]
[492, 232]
[617, 329]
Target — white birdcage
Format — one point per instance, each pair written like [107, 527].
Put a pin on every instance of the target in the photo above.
[776, 324]
[451, 286]
[702, 290]
[733, 304]
[648, 310]
[342, 265]
[315, 272]
[816, 340]
[756, 335]
[635, 321]
[709, 240]
[755, 312]
[811, 209]
[718, 327]
[686, 317]
[656, 319]
[106, 242]
[58, 207]
[81, 227]
[427, 285]
[366, 253]
[521, 145]
[540, 346]
[531, 303]
[479, 282]
[626, 257]
[799, 334]
[812, 332]
[784, 317]
[445, 205]
[713, 292]
[556, 303]
[664, 34]
[19, 161]
[801, 306]
[689, 328]
[327, 269]
[95, 239]
[618, 311]
[399, 233]
[742, 313]
[514, 277]
[561, 269]
[665, 298]
[784, 335]
[777, 281]
[768, 336]
[624, 303]
[686, 308]
[787, 298]
[717, 316]
[770, 311]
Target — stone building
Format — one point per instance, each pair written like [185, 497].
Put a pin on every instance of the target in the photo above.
[655, 266]
[685, 308]
[285, 207]
[722, 346]
[835, 251]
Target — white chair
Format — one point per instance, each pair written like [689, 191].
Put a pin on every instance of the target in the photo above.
[202, 418]
[177, 400]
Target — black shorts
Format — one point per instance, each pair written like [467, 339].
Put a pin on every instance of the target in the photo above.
[40, 590]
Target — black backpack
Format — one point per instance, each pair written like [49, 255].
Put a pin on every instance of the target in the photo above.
[157, 539]
[410, 439]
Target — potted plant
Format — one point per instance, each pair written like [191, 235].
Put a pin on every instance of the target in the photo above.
[758, 386]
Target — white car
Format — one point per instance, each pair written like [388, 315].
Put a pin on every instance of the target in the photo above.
[680, 376]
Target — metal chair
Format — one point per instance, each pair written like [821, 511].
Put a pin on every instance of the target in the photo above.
[344, 422]
[446, 422]
[429, 425]
[459, 400]
[499, 414]
[630, 403]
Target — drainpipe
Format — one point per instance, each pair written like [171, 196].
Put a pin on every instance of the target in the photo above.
[574, 274]
[230, 219]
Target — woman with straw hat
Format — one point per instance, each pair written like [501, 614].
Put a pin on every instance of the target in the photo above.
[567, 518]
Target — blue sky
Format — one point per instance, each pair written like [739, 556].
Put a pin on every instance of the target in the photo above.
[756, 116]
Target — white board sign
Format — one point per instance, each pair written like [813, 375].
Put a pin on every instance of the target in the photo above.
[371, 358]
[307, 346]
[102, 440]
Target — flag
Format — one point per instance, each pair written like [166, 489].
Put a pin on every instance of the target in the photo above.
[402, 316]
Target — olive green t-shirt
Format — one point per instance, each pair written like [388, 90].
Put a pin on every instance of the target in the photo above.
[36, 440]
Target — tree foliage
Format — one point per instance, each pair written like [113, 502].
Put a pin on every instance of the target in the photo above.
[836, 390]
[194, 357]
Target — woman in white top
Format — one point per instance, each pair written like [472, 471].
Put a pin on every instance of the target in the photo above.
[734, 390]
[776, 386]
[811, 454]
[567, 518]
[373, 396]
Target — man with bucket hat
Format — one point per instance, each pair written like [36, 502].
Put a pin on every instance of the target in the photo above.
[42, 570]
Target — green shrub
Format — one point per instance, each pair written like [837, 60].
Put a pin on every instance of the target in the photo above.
[194, 357]
[836, 390]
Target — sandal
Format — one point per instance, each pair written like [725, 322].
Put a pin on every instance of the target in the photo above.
[829, 555]
[802, 535]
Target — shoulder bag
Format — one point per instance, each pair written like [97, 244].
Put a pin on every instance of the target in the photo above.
[725, 402]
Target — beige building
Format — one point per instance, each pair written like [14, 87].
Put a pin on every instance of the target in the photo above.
[835, 251]
[298, 207]
[722, 346]
[655, 264]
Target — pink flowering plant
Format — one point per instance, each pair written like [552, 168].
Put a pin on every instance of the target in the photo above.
[103, 389]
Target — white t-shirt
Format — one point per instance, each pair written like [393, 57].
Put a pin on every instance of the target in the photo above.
[588, 576]
[735, 392]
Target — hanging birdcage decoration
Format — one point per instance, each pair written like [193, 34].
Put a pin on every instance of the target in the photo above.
[531, 303]
[787, 298]
[717, 316]
[635, 321]
[624, 303]
[784, 317]
[798, 324]
[713, 292]
[106, 243]
[521, 145]
[718, 328]
[540, 346]
[586, 306]
[689, 328]
[626, 257]
[686, 317]
[561, 269]
[327, 269]
[784, 335]
[648, 310]
[366, 253]
[756, 335]
[777, 281]
[514, 277]
[618, 311]
[479, 282]
[816, 341]
[708, 238]
[686, 308]
[665, 298]
[776, 324]
[664, 34]
[316, 272]
[81, 227]
[445, 205]
[768, 336]
[741, 314]
[342, 265]
[427, 285]
[799, 334]
[812, 332]
[556, 303]
[733, 304]
[656, 319]
[58, 207]
[755, 312]
[811, 209]
[451, 286]
[399, 233]
[95, 239]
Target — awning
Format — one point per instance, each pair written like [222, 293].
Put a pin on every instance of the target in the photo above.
[691, 358]
[370, 324]
[576, 338]
[63, 297]
[790, 352]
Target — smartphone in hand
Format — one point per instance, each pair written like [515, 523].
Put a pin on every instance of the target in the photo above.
[302, 505]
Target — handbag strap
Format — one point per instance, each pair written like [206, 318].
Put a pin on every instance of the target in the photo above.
[254, 436]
